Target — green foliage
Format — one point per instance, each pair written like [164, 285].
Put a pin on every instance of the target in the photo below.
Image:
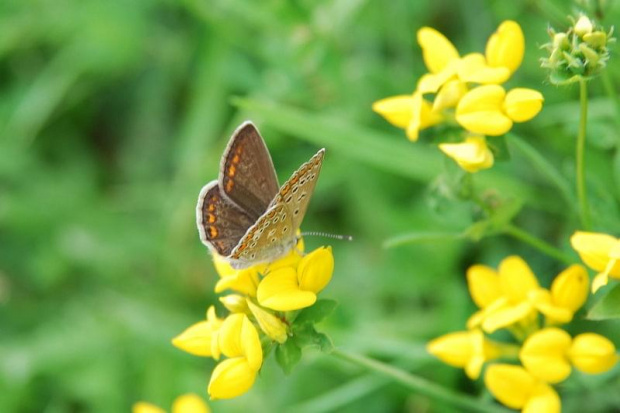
[114, 113]
[608, 307]
[288, 355]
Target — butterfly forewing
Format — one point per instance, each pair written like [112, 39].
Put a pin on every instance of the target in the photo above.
[271, 237]
[247, 175]
[295, 194]
[220, 222]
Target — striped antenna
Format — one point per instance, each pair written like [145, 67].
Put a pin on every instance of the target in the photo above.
[326, 235]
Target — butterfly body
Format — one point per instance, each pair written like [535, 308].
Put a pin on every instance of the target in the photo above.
[244, 215]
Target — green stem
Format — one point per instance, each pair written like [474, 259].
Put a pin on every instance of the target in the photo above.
[581, 144]
[420, 385]
[544, 166]
[537, 243]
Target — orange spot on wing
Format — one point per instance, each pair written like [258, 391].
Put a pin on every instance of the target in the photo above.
[232, 170]
[210, 218]
[229, 185]
[212, 232]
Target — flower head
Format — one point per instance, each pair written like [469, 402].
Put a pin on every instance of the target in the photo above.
[472, 155]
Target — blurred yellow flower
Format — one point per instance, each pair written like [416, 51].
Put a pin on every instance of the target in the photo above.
[488, 110]
[601, 252]
[505, 47]
[472, 155]
[201, 339]
[187, 403]
[410, 112]
[271, 325]
[544, 355]
[290, 288]
[503, 296]
[239, 341]
[465, 349]
[592, 353]
[569, 291]
[235, 303]
[518, 389]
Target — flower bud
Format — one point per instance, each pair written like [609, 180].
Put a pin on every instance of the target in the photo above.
[583, 26]
[270, 324]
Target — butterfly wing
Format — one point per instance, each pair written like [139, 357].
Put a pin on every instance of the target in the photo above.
[295, 194]
[247, 176]
[221, 223]
[271, 237]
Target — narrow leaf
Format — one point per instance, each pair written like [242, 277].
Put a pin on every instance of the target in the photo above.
[607, 307]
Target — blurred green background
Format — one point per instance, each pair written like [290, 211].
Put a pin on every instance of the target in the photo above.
[114, 113]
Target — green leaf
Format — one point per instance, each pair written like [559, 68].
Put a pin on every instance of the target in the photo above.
[500, 217]
[266, 344]
[317, 312]
[306, 335]
[288, 355]
[499, 148]
[421, 237]
[607, 307]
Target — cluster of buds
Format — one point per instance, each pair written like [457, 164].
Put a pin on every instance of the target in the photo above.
[580, 52]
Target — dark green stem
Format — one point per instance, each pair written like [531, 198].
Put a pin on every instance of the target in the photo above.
[582, 194]
[420, 385]
[537, 243]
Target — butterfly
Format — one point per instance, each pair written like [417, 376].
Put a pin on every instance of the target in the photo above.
[244, 215]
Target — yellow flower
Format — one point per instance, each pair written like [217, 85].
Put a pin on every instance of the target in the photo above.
[569, 291]
[201, 339]
[518, 389]
[600, 252]
[488, 110]
[235, 303]
[473, 68]
[270, 324]
[544, 355]
[243, 281]
[437, 50]
[504, 296]
[410, 112]
[592, 353]
[465, 349]
[288, 289]
[239, 341]
[583, 26]
[187, 403]
[505, 48]
[471, 155]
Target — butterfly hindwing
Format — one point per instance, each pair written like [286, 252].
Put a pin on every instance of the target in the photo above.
[247, 175]
[221, 223]
[271, 237]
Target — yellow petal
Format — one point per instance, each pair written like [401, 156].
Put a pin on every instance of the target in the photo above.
[544, 355]
[449, 95]
[592, 353]
[222, 266]
[472, 155]
[143, 407]
[570, 288]
[231, 378]
[235, 303]
[315, 270]
[190, 403]
[454, 349]
[474, 68]
[594, 250]
[599, 281]
[398, 110]
[505, 47]
[583, 26]
[522, 104]
[480, 111]
[506, 316]
[243, 281]
[556, 314]
[483, 283]
[199, 339]
[423, 117]
[280, 291]
[543, 399]
[238, 338]
[437, 50]
[517, 279]
[511, 385]
[270, 324]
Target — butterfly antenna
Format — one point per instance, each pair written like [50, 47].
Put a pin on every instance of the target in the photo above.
[326, 235]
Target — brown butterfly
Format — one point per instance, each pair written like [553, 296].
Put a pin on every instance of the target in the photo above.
[242, 215]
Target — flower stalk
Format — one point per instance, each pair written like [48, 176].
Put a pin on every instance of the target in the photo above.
[537, 243]
[582, 195]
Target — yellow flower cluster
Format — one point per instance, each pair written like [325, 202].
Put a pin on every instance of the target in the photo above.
[188, 403]
[264, 301]
[512, 298]
[466, 89]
